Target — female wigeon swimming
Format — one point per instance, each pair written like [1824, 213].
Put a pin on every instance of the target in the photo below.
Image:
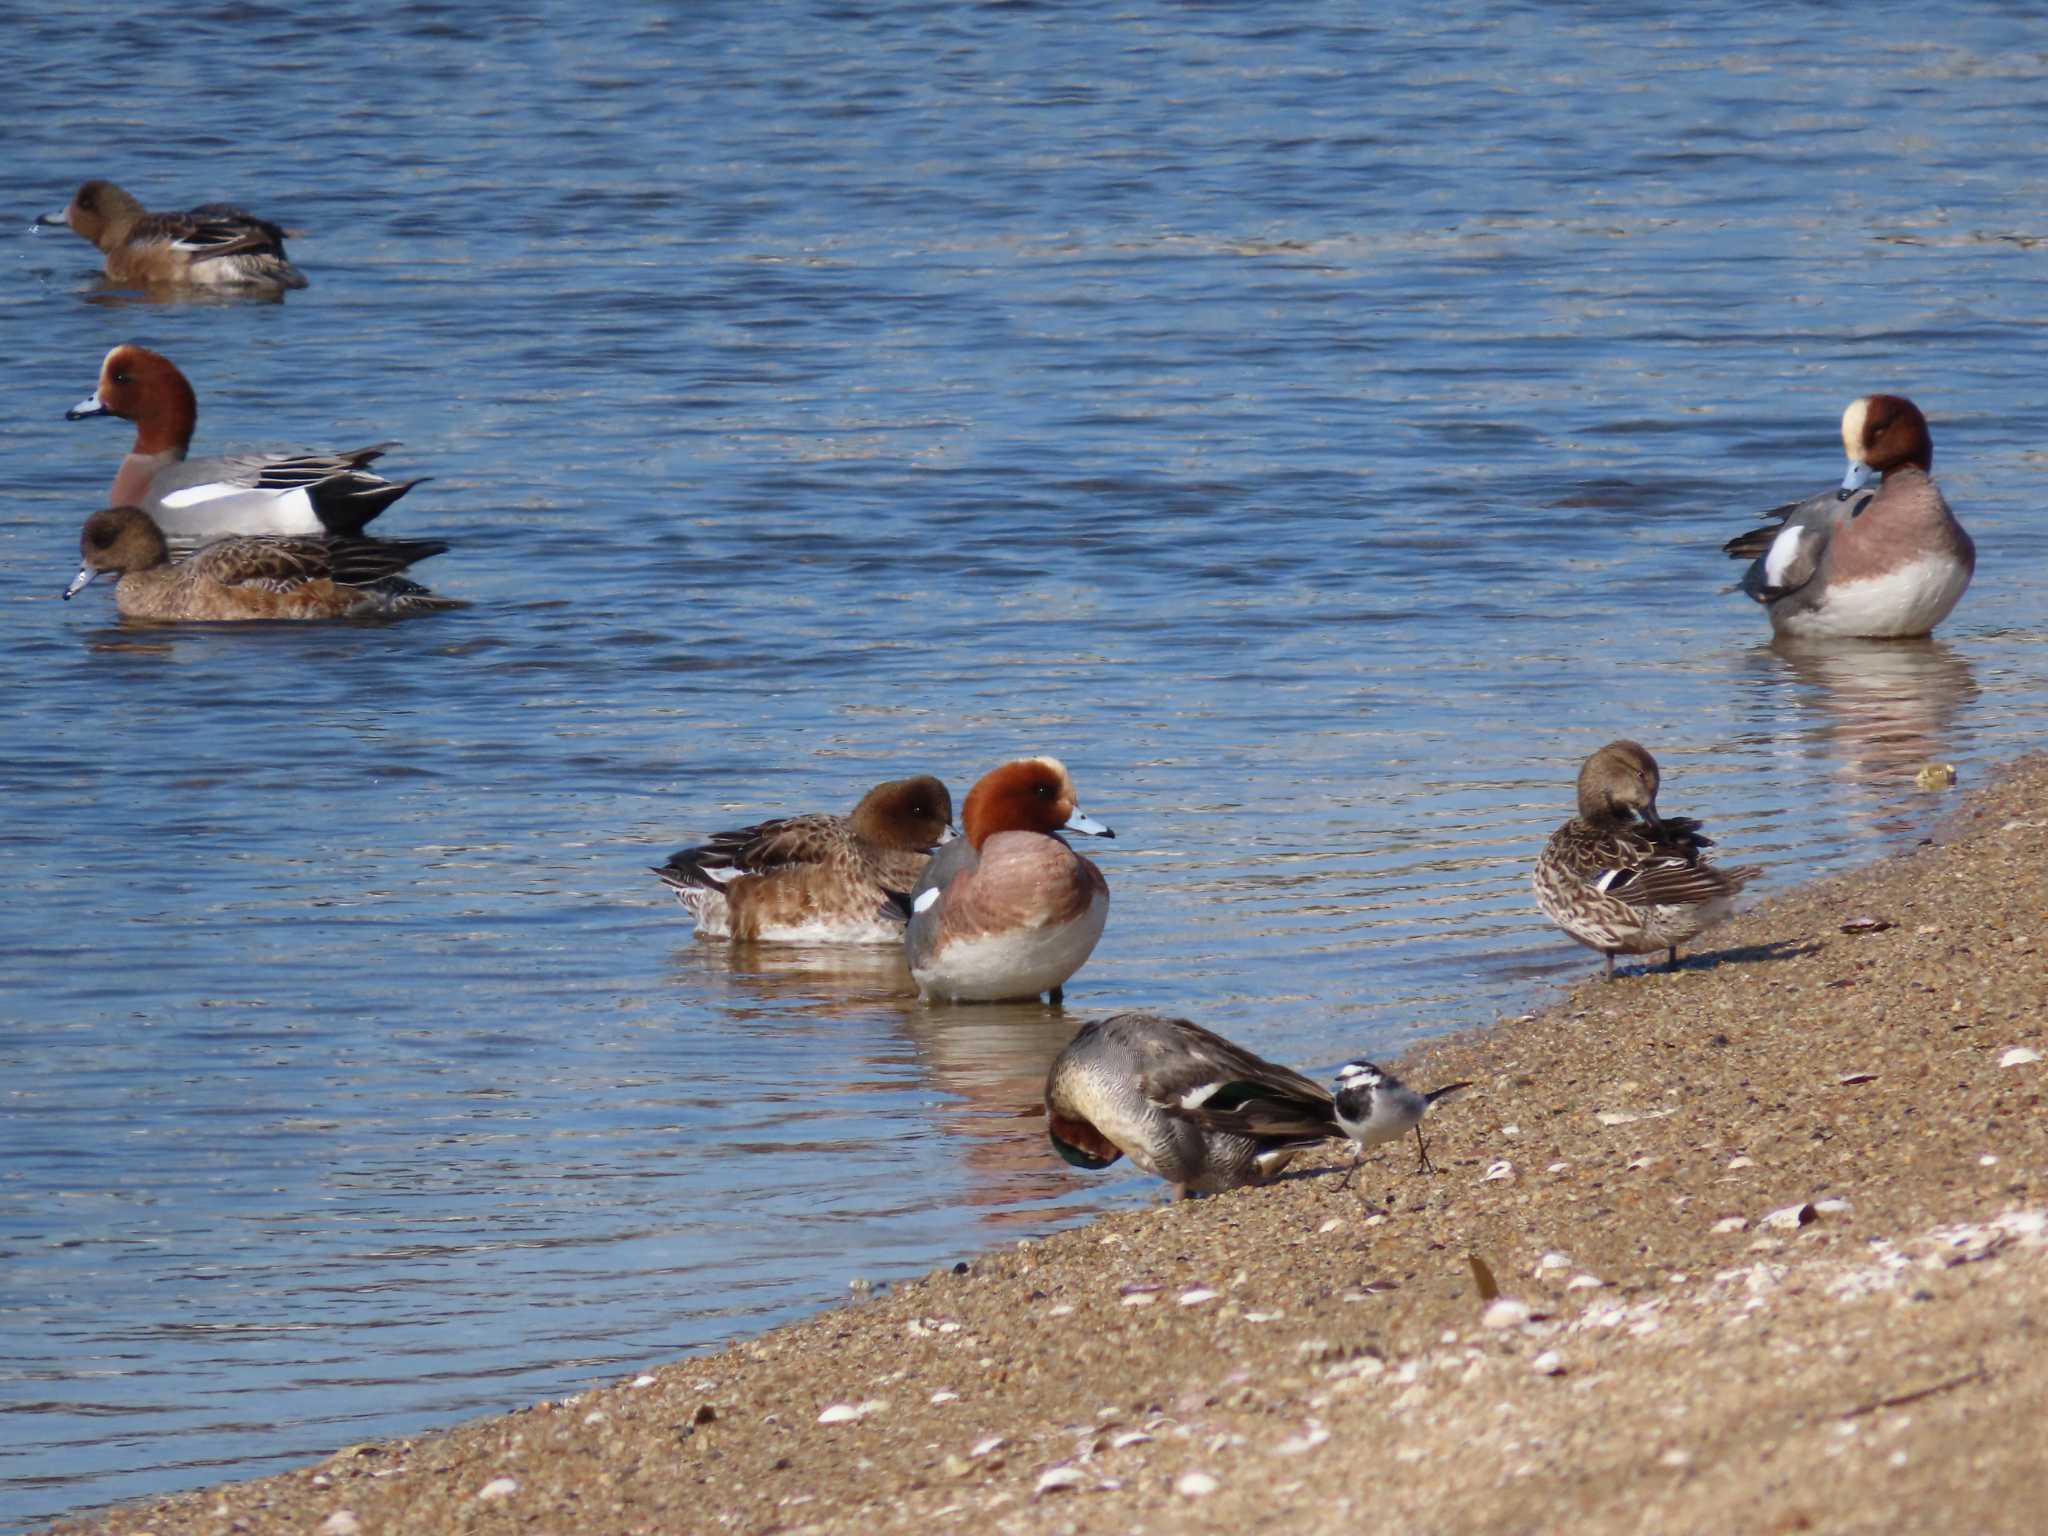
[1007, 910]
[1621, 879]
[252, 578]
[1185, 1105]
[257, 493]
[818, 878]
[1850, 563]
[215, 245]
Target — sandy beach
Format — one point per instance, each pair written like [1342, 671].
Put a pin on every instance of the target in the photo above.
[1768, 1238]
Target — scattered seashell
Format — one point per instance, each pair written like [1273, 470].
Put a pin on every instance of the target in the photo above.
[2019, 1056]
[1551, 1261]
[1741, 1162]
[1549, 1363]
[848, 1413]
[1848, 1078]
[497, 1488]
[342, 1522]
[986, 1447]
[1789, 1216]
[1129, 1438]
[1196, 1485]
[1263, 1317]
[956, 1466]
[1301, 1444]
[1631, 1116]
[1197, 1296]
[1866, 924]
[945, 1396]
[1511, 1131]
[1334, 1224]
[1140, 1288]
[1936, 776]
[1834, 1205]
[1061, 1310]
[1141, 1298]
[642, 1381]
[1504, 1312]
[1584, 1283]
[597, 1417]
[1058, 1480]
[1730, 1224]
[1502, 1171]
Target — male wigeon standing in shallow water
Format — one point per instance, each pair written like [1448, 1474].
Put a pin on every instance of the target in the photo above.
[1624, 880]
[252, 578]
[281, 493]
[215, 245]
[1007, 910]
[817, 878]
[1851, 563]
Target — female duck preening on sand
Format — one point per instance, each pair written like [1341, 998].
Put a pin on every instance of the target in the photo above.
[1850, 562]
[1622, 879]
[215, 245]
[252, 578]
[1007, 910]
[816, 878]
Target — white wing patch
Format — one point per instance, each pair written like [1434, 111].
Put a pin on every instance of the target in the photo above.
[927, 901]
[1195, 1098]
[1782, 555]
[1607, 878]
[199, 495]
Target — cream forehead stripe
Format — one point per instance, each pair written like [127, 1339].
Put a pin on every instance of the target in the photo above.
[1852, 428]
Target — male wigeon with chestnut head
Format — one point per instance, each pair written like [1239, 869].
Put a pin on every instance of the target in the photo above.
[192, 500]
[215, 245]
[1852, 562]
[1007, 910]
[816, 878]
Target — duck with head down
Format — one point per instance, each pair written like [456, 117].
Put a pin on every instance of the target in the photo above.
[1007, 910]
[1624, 880]
[1849, 562]
[1184, 1104]
[816, 878]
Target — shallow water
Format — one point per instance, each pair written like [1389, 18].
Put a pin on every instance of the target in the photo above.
[1318, 432]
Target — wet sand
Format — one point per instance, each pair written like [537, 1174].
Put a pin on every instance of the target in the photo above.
[1769, 1236]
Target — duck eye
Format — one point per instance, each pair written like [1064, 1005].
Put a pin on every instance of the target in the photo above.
[122, 378]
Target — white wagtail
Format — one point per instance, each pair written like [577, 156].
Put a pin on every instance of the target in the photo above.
[1374, 1106]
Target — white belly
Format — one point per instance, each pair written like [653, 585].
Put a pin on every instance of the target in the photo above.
[1021, 963]
[1910, 601]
